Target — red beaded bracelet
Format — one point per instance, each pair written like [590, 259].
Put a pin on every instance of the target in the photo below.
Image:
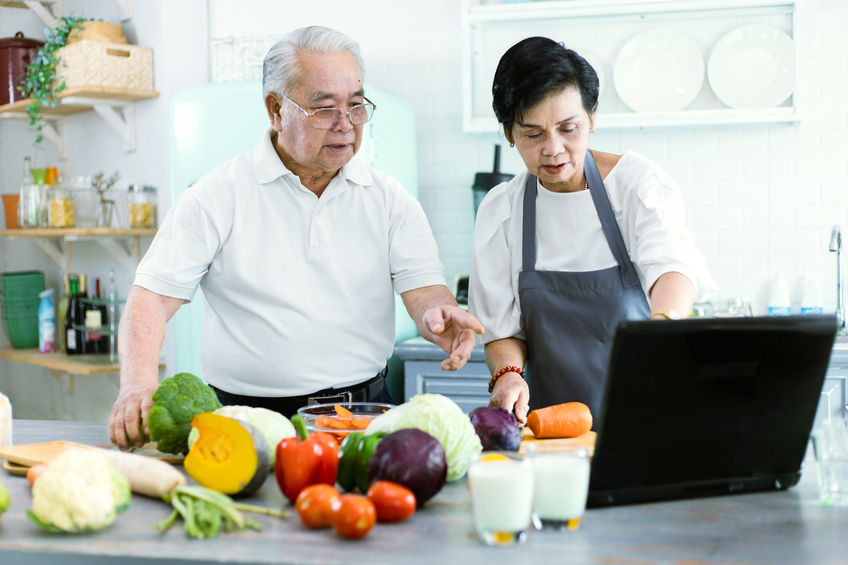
[501, 372]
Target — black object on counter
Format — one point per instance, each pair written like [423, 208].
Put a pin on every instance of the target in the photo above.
[484, 182]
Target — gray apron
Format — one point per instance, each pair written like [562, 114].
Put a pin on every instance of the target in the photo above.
[569, 317]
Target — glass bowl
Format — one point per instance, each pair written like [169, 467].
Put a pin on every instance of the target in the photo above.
[327, 417]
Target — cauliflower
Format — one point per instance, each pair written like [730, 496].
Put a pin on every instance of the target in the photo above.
[273, 425]
[176, 401]
[79, 491]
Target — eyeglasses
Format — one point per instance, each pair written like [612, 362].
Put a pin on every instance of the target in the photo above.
[327, 118]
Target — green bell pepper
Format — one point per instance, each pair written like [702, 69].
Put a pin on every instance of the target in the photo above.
[354, 454]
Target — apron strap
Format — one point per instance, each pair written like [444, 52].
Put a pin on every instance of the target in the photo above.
[528, 229]
[608, 221]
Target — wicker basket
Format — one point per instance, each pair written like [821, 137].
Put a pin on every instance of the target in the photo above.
[92, 63]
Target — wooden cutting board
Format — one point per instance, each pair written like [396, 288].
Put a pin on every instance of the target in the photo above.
[29, 454]
[587, 440]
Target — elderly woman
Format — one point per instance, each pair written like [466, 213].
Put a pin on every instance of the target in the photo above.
[580, 241]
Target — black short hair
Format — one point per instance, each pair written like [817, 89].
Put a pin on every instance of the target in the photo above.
[532, 69]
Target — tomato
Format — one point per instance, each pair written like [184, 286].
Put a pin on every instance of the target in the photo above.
[315, 505]
[354, 517]
[34, 472]
[393, 502]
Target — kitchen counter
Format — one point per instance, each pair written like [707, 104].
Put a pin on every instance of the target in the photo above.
[768, 528]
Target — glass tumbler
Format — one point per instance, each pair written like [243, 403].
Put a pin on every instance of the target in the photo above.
[501, 485]
[561, 485]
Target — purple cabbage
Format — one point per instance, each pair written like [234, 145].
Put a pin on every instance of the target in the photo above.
[497, 429]
[412, 458]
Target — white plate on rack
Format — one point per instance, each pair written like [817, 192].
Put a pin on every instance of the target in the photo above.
[753, 66]
[658, 70]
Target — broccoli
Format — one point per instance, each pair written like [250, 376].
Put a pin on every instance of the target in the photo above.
[176, 401]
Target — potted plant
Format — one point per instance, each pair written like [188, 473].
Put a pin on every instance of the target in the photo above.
[43, 83]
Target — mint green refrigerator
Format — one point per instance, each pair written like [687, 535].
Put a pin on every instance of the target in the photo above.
[209, 124]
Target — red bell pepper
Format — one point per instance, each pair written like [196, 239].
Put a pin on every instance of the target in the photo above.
[305, 459]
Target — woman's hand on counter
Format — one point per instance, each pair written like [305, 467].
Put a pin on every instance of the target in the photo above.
[128, 420]
[513, 395]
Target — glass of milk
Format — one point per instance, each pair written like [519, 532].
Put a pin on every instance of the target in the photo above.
[561, 484]
[501, 485]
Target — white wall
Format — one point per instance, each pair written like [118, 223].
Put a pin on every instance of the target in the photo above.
[760, 198]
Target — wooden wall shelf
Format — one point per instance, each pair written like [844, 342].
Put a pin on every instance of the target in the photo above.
[80, 99]
[72, 364]
[70, 232]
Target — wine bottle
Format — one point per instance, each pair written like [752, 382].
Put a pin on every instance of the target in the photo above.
[95, 319]
[61, 312]
[83, 308]
[73, 337]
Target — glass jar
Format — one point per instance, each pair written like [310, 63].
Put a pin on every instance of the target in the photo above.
[142, 206]
[60, 211]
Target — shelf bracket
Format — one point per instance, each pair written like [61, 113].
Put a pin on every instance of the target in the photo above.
[43, 13]
[122, 120]
[123, 255]
[66, 380]
[54, 131]
[53, 250]
[126, 9]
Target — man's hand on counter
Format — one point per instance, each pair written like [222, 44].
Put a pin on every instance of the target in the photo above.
[128, 421]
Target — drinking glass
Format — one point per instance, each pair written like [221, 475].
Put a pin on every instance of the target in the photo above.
[830, 444]
[501, 485]
[561, 485]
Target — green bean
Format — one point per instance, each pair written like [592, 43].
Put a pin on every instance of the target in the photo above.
[205, 512]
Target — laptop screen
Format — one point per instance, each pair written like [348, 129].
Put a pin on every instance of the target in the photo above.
[708, 406]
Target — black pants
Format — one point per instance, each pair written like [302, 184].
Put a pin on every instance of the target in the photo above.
[372, 390]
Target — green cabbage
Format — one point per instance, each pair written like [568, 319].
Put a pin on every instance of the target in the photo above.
[273, 425]
[443, 419]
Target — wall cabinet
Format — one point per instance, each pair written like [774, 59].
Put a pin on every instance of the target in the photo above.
[599, 29]
[468, 387]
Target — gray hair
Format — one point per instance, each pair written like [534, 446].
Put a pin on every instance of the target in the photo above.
[280, 70]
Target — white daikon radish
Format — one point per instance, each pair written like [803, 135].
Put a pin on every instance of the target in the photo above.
[147, 476]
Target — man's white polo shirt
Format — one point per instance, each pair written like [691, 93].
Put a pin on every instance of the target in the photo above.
[299, 288]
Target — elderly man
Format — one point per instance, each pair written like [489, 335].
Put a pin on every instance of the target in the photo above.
[298, 247]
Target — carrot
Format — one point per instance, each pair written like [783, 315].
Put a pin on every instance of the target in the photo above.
[342, 423]
[147, 476]
[571, 419]
[342, 412]
[34, 472]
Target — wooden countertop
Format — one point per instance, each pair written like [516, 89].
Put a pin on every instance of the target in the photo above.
[768, 528]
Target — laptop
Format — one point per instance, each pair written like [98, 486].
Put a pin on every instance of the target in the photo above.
[708, 406]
